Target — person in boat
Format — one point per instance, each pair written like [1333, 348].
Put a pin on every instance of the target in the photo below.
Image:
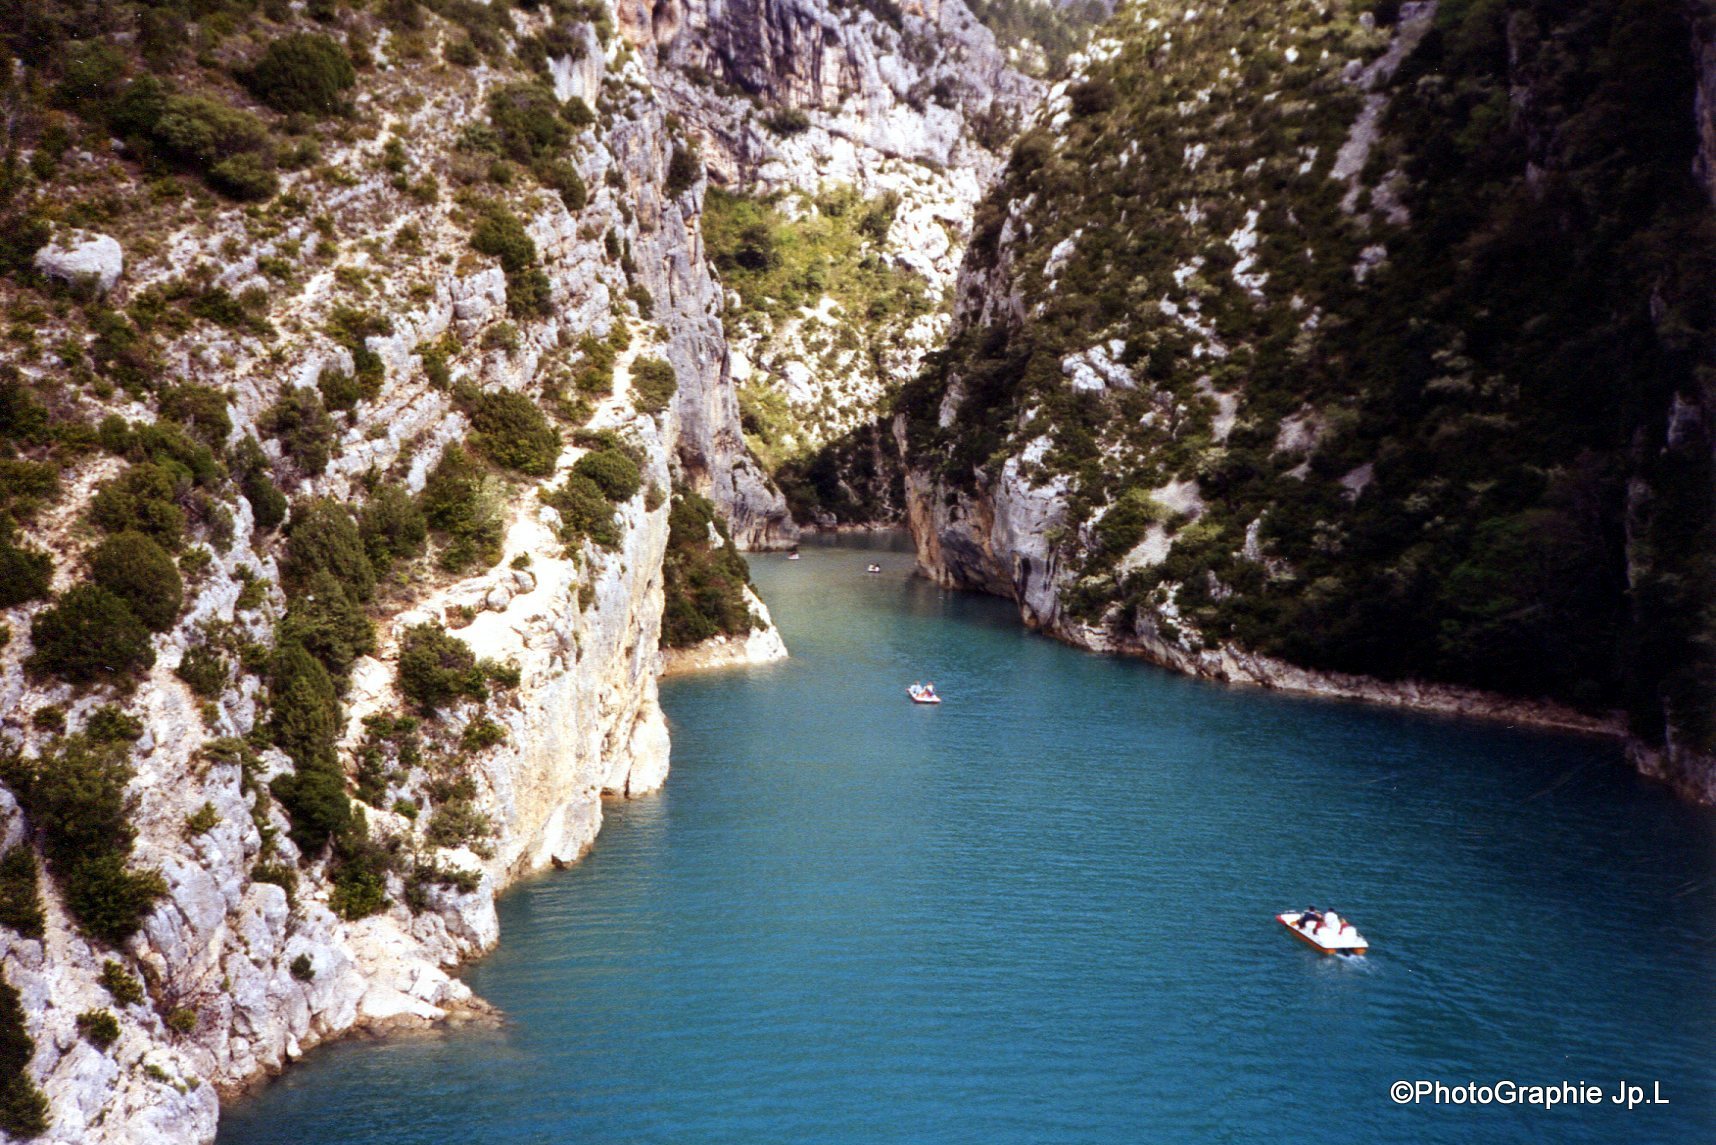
[929, 689]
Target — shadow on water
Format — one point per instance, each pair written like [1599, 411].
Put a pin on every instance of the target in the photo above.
[1043, 912]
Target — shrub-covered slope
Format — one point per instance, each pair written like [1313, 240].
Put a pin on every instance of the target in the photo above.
[349, 353]
[1370, 338]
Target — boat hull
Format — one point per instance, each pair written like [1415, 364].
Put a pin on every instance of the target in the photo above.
[1348, 947]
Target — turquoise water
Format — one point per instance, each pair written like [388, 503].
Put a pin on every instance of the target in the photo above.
[1043, 913]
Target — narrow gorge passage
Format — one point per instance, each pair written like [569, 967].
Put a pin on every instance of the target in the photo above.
[1043, 912]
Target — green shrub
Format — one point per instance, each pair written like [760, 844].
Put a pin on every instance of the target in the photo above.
[326, 622]
[99, 1027]
[512, 433]
[138, 571]
[246, 178]
[202, 408]
[322, 537]
[144, 498]
[392, 526]
[23, 1108]
[459, 502]
[304, 72]
[654, 383]
[562, 178]
[301, 423]
[110, 900]
[205, 670]
[120, 984]
[456, 823]
[704, 585]
[23, 418]
[526, 119]
[437, 669]
[499, 234]
[684, 168]
[90, 635]
[194, 133]
[74, 794]
[25, 574]
[585, 511]
[26, 485]
[612, 471]
[304, 707]
[267, 503]
[302, 968]
[20, 893]
[787, 121]
[480, 734]
[111, 724]
[203, 820]
[183, 1020]
[340, 391]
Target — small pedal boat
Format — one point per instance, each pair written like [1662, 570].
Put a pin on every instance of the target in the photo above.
[922, 695]
[792, 556]
[873, 569]
[1325, 930]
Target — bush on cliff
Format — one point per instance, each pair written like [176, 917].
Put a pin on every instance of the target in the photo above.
[304, 73]
[324, 620]
[301, 423]
[612, 471]
[25, 574]
[74, 794]
[323, 538]
[437, 669]
[23, 1107]
[654, 382]
[512, 432]
[20, 893]
[134, 568]
[90, 635]
[466, 507]
[704, 585]
[392, 526]
[584, 512]
[144, 498]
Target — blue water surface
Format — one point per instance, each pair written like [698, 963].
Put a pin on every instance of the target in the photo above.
[1043, 912]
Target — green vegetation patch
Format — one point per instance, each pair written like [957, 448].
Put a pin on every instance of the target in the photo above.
[74, 795]
[704, 582]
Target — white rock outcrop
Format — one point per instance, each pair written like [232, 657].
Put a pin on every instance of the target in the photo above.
[79, 257]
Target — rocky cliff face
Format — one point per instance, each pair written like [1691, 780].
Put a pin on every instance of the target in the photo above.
[1264, 362]
[256, 950]
[823, 113]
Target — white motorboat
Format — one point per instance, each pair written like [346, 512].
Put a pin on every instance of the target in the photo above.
[1325, 930]
[922, 695]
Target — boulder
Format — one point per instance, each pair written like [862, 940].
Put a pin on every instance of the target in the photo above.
[82, 256]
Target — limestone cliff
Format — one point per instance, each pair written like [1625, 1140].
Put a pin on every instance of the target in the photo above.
[410, 276]
[863, 136]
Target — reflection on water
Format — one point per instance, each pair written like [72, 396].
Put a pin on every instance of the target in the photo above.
[1043, 912]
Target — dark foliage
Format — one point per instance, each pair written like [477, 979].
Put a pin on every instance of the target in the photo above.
[512, 432]
[437, 669]
[23, 1107]
[134, 568]
[704, 585]
[89, 636]
[323, 538]
[20, 893]
[304, 72]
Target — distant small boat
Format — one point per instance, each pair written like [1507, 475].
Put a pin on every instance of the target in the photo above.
[1325, 930]
[874, 569]
[922, 695]
[792, 556]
